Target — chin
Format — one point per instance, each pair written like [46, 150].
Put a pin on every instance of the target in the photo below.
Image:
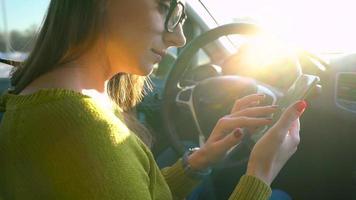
[145, 70]
[142, 69]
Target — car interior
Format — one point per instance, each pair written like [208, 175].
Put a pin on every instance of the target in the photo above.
[195, 85]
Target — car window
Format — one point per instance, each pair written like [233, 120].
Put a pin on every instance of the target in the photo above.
[19, 22]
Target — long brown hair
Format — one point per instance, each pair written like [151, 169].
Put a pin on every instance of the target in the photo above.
[70, 28]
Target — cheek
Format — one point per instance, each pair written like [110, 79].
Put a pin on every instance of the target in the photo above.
[131, 32]
[134, 20]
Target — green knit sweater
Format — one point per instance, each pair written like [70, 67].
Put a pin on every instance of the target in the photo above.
[60, 144]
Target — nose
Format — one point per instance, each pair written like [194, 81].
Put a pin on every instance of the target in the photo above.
[176, 38]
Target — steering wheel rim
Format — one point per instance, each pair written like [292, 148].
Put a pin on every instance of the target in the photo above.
[182, 65]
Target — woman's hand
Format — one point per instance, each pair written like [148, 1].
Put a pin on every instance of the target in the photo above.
[280, 142]
[227, 132]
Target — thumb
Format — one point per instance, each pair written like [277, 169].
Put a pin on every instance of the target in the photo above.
[291, 114]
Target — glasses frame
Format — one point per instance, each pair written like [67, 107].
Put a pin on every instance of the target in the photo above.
[174, 4]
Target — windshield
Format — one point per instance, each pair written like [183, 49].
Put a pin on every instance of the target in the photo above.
[318, 25]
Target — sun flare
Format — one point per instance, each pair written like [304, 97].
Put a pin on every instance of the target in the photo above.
[318, 25]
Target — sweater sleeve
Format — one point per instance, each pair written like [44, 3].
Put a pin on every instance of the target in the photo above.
[179, 183]
[251, 188]
[248, 188]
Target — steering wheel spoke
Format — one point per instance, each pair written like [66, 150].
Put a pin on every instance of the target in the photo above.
[185, 99]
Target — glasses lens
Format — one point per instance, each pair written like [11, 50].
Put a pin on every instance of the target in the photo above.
[174, 18]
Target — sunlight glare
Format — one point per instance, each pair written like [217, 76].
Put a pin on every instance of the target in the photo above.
[316, 25]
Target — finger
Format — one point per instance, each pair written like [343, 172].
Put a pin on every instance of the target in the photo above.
[294, 129]
[252, 104]
[256, 111]
[289, 116]
[294, 132]
[234, 138]
[226, 125]
[246, 101]
[293, 139]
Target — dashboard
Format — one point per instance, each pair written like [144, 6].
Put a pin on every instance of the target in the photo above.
[338, 96]
[345, 83]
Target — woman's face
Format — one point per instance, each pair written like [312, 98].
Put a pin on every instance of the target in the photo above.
[135, 36]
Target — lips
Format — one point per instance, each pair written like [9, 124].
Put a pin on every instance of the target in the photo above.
[161, 53]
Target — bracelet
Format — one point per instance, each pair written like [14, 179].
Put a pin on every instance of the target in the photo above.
[195, 174]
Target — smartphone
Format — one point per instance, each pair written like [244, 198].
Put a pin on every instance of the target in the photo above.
[299, 90]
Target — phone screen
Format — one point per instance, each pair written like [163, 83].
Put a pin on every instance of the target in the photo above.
[299, 90]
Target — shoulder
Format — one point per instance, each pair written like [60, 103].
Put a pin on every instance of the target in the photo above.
[88, 117]
[63, 114]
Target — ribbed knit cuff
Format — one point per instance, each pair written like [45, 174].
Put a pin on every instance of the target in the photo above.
[251, 188]
[180, 184]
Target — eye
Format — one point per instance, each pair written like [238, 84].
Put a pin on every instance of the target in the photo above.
[163, 8]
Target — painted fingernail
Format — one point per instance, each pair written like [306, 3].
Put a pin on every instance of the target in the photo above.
[237, 132]
[301, 106]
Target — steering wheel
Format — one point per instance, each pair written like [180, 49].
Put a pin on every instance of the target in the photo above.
[216, 92]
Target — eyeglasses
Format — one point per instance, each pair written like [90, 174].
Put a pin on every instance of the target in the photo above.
[176, 15]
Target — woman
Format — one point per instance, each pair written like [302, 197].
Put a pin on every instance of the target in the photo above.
[60, 140]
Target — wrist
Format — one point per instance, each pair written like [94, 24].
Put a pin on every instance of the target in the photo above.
[197, 170]
[197, 160]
